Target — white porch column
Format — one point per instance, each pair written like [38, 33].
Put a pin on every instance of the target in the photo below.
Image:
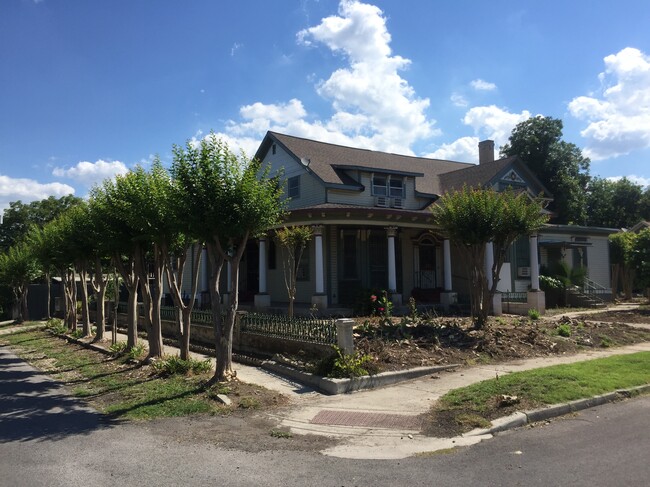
[396, 297]
[536, 297]
[226, 296]
[534, 264]
[320, 274]
[262, 299]
[446, 250]
[391, 232]
[447, 297]
[489, 262]
[262, 264]
[319, 299]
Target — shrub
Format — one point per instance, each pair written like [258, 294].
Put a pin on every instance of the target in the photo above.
[55, 325]
[117, 348]
[563, 330]
[381, 305]
[341, 365]
[533, 314]
[137, 352]
[175, 365]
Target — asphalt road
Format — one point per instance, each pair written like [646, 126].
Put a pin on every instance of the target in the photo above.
[49, 439]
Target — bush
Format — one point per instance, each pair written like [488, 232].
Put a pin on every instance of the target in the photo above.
[55, 325]
[341, 365]
[117, 348]
[533, 314]
[563, 330]
[175, 365]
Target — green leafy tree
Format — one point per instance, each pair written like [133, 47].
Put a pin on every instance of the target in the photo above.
[18, 268]
[19, 217]
[293, 242]
[613, 204]
[473, 217]
[119, 241]
[644, 204]
[559, 165]
[641, 259]
[235, 198]
[621, 255]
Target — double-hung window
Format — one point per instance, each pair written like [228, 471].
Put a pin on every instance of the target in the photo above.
[388, 185]
[293, 190]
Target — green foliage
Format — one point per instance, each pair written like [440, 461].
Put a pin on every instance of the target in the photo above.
[293, 242]
[563, 330]
[340, 365]
[117, 348]
[55, 325]
[614, 204]
[533, 314]
[281, 434]
[641, 258]
[473, 217]
[548, 282]
[175, 365]
[248, 402]
[559, 165]
[137, 352]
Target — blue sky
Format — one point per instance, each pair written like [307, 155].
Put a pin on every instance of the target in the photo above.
[89, 89]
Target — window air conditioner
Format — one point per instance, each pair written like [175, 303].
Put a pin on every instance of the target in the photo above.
[523, 271]
[398, 203]
[381, 201]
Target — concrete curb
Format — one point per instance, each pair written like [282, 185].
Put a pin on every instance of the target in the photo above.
[342, 386]
[518, 419]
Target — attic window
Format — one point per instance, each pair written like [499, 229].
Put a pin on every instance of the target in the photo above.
[392, 186]
[293, 187]
[273, 149]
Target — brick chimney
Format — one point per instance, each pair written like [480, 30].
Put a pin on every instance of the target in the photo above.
[485, 151]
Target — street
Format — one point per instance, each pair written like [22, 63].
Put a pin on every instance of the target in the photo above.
[49, 439]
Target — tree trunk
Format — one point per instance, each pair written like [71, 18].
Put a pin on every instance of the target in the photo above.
[23, 302]
[132, 317]
[224, 370]
[151, 298]
[100, 284]
[48, 309]
[216, 264]
[615, 276]
[85, 314]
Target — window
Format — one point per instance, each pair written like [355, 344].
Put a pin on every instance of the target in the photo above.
[273, 149]
[392, 186]
[294, 187]
[272, 251]
[379, 185]
[396, 188]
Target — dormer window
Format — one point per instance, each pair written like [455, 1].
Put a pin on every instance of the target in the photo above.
[388, 185]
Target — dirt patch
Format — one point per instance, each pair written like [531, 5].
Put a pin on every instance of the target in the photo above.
[406, 343]
[641, 315]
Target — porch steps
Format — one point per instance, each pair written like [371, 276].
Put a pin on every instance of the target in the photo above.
[578, 299]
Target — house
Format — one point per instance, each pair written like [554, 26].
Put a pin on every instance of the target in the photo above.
[373, 229]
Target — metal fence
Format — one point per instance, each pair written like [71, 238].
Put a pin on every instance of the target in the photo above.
[297, 328]
[514, 297]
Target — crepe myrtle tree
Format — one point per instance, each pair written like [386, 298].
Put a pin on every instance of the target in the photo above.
[293, 242]
[471, 218]
[18, 268]
[230, 198]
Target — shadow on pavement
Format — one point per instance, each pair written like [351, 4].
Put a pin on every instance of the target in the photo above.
[35, 407]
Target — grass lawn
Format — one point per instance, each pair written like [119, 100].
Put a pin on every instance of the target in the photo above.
[123, 389]
[476, 405]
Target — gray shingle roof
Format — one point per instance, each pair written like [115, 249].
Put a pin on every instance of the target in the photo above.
[326, 158]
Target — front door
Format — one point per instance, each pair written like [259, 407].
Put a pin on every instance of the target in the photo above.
[427, 271]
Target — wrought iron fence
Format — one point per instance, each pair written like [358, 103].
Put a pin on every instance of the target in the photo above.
[514, 297]
[297, 328]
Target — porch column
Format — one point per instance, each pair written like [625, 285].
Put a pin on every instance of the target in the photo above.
[536, 297]
[489, 262]
[446, 251]
[319, 299]
[447, 297]
[226, 296]
[396, 298]
[262, 299]
[534, 264]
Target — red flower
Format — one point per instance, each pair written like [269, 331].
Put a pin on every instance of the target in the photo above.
[381, 309]
[373, 298]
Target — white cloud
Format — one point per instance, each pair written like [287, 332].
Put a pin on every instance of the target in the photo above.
[640, 180]
[494, 123]
[28, 190]
[458, 100]
[374, 107]
[618, 116]
[481, 85]
[235, 47]
[464, 149]
[89, 173]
